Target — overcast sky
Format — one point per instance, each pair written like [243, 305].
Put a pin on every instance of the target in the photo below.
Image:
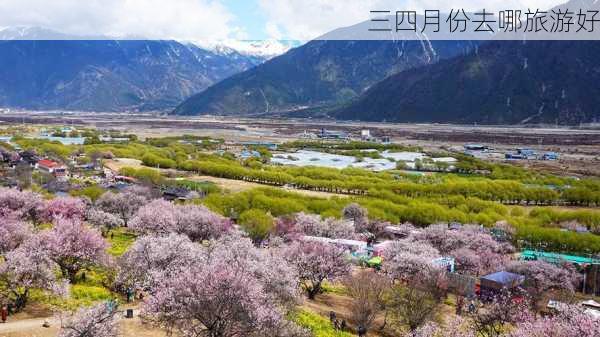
[213, 20]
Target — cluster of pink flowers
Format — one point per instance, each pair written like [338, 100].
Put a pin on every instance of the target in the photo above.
[13, 232]
[317, 262]
[406, 258]
[475, 251]
[570, 321]
[152, 257]
[22, 204]
[231, 289]
[96, 321]
[124, 204]
[74, 246]
[313, 225]
[197, 222]
[32, 256]
[66, 207]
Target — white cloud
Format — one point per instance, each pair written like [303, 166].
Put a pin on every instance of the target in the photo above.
[273, 31]
[157, 19]
[308, 19]
[212, 20]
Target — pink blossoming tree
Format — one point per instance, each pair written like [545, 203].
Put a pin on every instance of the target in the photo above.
[357, 214]
[278, 277]
[101, 219]
[317, 262]
[25, 205]
[74, 246]
[468, 236]
[494, 318]
[543, 277]
[64, 207]
[96, 321]
[151, 257]
[26, 268]
[404, 259]
[13, 232]
[453, 327]
[212, 300]
[478, 262]
[314, 225]
[197, 222]
[232, 292]
[285, 229]
[124, 204]
[570, 321]
[474, 249]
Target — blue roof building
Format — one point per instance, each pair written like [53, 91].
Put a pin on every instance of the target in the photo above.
[493, 284]
[268, 145]
[550, 156]
[475, 147]
[246, 154]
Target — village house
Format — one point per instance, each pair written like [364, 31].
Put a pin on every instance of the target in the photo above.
[52, 167]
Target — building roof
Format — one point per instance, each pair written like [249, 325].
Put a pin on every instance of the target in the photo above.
[474, 146]
[179, 192]
[249, 154]
[504, 278]
[557, 258]
[48, 163]
[344, 242]
[125, 179]
[591, 303]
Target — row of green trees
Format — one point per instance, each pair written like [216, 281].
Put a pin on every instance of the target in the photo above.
[475, 197]
[533, 226]
[504, 183]
[349, 182]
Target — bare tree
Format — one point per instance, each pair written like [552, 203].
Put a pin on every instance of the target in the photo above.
[356, 213]
[23, 175]
[411, 306]
[96, 159]
[490, 319]
[367, 290]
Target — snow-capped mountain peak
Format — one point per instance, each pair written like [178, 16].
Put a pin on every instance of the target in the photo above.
[28, 33]
[265, 49]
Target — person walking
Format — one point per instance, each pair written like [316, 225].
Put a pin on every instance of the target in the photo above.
[4, 313]
[362, 331]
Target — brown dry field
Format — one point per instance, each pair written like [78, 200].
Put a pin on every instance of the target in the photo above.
[325, 303]
[240, 186]
[224, 183]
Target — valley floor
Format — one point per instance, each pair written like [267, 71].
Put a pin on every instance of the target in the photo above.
[579, 147]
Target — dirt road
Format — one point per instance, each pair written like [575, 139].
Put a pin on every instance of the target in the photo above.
[32, 327]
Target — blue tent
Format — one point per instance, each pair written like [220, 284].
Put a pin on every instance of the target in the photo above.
[502, 279]
[492, 284]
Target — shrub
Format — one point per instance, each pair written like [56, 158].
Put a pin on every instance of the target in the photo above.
[318, 325]
[256, 223]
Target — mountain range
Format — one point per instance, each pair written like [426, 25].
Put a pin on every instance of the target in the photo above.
[504, 82]
[318, 74]
[413, 80]
[418, 80]
[46, 70]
